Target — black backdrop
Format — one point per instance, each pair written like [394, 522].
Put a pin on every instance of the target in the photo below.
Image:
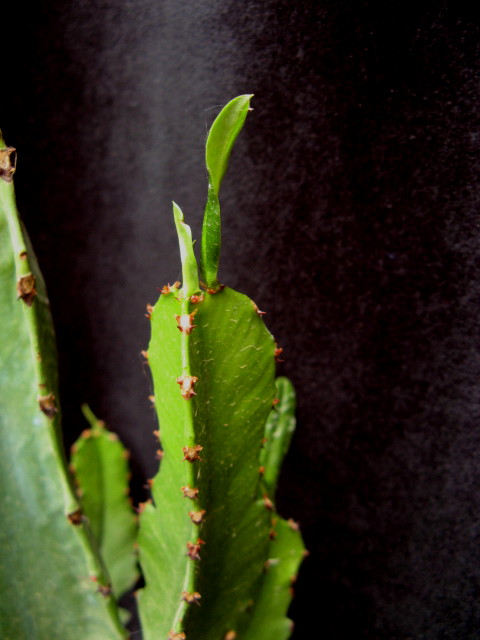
[350, 216]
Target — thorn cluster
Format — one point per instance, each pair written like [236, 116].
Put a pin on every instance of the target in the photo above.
[191, 453]
[197, 516]
[168, 288]
[189, 492]
[187, 384]
[185, 322]
[190, 598]
[26, 290]
[194, 549]
[47, 405]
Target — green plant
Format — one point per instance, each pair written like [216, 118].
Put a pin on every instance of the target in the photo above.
[216, 558]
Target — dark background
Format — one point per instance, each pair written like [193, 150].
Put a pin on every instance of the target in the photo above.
[350, 215]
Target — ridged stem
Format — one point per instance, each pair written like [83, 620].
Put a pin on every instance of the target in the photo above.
[189, 288]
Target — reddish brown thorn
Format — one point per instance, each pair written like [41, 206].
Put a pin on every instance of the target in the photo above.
[195, 299]
[149, 484]
[47, 405]
[264, 441]
[293, 525]
[176, 636]
[185, 322]
[76, 517]
[211, 290]
[149, 311]
[268, 503]
[197, 516]
[142, 506]
[126, 454]
[26, 289]
[194, 548]
[272, 534]
[191, 597]
[144, 354]
[156, 433]
[152, 400]
[168, 288]
[187, 384]
[188, 492]
[159, 454]
[275, 401]
[261, 470]
[7, 169]
[230, 635]
[105, 590]
[23, 255]
[191, 453]
[257, 310]
[277, 352]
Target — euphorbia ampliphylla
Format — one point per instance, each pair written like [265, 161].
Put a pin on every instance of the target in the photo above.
[217, 561]
[211, 529]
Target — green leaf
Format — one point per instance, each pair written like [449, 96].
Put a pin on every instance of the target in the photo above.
[50, 579]
[279, 429]
[99, 461]
[222, 136]
[220, 141]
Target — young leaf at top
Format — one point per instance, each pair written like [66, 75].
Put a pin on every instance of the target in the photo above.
[221, 138]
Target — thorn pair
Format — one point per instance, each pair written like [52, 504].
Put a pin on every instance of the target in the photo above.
[187, 384]
[194, 549]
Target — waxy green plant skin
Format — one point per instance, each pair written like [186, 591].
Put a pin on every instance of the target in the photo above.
[210, 541]
[99, 463]
[217, 561]
[49, 572]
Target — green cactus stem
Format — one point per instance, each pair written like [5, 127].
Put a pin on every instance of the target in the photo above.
[206, 536]
[52, 584]
[99, 462]
[279, 430]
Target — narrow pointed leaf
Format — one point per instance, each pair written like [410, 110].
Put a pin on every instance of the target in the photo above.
[220, 141]
[50, 579]
[99, 462]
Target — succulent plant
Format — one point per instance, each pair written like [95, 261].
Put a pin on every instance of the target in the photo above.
[217, 560]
